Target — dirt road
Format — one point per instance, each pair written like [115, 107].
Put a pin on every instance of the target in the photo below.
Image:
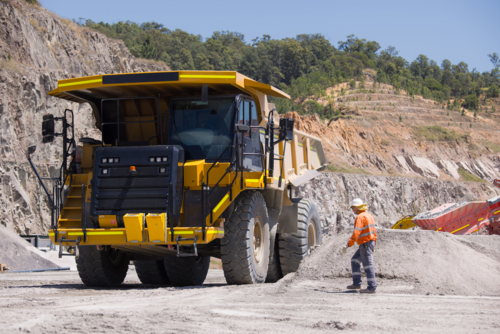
[57, 302]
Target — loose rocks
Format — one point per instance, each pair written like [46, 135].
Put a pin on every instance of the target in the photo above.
[426, 262]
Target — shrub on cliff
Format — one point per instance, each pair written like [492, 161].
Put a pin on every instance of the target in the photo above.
[435, 133]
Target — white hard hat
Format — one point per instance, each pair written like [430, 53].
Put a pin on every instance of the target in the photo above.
[357, 202]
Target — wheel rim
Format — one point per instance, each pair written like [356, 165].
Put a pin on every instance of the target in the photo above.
[115, 256]
[311, 235]
[258, 249]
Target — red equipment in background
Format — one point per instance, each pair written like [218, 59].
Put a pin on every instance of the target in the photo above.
[463, 218]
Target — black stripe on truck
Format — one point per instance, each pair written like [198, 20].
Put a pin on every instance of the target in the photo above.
[139, 78]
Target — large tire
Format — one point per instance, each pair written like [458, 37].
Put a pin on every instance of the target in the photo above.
[274, 273]
[245, 246]
[186, 271]
[293, 248]
[152, 272]
[106, 268]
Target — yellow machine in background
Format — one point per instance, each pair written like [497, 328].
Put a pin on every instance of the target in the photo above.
[404, 223]
[191, 164]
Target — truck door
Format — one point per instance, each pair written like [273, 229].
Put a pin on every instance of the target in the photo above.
[247, 114]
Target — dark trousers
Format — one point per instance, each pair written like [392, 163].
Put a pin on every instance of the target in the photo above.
[364, 255]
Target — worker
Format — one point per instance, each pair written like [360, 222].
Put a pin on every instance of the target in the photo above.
[365, 235]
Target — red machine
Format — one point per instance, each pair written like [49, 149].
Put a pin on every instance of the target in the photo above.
[463, 218]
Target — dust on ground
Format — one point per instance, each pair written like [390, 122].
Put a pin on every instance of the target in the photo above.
[415, 262]
[57, 302]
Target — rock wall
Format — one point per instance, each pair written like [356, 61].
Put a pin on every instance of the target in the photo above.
[389, 198]
[37, 48]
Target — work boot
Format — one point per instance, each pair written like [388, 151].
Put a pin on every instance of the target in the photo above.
[366, 291]
[353, 287]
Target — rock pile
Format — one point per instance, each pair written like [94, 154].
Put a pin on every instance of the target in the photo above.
[18, 254]
[425, 261]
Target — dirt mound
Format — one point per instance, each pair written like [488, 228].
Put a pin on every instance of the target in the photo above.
[18, 254]
[429, 262]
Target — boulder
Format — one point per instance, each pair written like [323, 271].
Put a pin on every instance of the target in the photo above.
[450, 168]
[423, 166]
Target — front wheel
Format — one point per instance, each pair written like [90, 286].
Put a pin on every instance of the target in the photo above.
[106, 267]
[245, 246]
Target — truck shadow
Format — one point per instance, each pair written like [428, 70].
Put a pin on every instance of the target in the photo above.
[80, 286]
[336, 292]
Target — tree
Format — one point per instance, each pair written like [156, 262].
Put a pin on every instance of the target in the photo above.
[495, 59]
[148, 50]
[493, 91]
[471, 101]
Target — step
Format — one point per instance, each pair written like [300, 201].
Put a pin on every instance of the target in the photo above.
[74, 196]
[72, 208]
[69, 220]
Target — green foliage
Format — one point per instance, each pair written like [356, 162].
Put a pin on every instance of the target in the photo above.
[346, 169]
[435, 133]
[32, 2]
[495, 148]
[352, 84]
[303, 66]
[493, 91]
[468, 176]
[495, 59]
[471, 101]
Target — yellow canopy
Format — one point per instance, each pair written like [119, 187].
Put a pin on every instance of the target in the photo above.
[171, 83]
[163, 85]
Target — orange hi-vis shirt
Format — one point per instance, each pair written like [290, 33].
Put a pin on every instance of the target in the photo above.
[364, 229]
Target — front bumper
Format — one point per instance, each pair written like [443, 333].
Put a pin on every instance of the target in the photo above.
[118, 236]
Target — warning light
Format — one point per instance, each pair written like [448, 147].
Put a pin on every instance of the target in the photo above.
[132, 169]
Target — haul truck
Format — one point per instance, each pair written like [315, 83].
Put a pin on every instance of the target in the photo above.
[191, 164]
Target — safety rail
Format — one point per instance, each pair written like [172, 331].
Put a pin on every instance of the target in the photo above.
[56, 204]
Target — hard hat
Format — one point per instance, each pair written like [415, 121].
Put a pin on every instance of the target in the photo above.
[357, 202]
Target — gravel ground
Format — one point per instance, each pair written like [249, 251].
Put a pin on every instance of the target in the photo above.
[57, 302]
[428, 262]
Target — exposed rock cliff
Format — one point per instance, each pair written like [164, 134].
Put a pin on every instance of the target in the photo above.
[37, 48]
[389, 198]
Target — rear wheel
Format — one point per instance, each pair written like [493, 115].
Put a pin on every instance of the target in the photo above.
[274, 273]
[245, 246]
[294, 247]
[151, 272]
[186, 271]
[107, 267]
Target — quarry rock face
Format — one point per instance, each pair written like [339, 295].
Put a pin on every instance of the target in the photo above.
[449, 167]
[423, 166]
[37, 48]
[389, 198]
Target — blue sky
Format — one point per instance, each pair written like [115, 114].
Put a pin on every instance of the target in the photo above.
[455, 30]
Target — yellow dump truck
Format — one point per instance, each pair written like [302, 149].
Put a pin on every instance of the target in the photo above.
[191, 165]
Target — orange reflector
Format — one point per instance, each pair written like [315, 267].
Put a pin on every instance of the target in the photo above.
[132, 169]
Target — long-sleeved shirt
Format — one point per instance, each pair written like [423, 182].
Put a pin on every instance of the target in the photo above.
[364, 229]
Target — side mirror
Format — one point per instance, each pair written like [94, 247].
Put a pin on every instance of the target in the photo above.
[31, 150]
[286, 128]
[242, 128]
[48, 128]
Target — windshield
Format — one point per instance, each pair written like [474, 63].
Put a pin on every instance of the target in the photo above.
[204, 130]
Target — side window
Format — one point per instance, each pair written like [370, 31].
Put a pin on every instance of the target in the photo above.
[248, 115]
